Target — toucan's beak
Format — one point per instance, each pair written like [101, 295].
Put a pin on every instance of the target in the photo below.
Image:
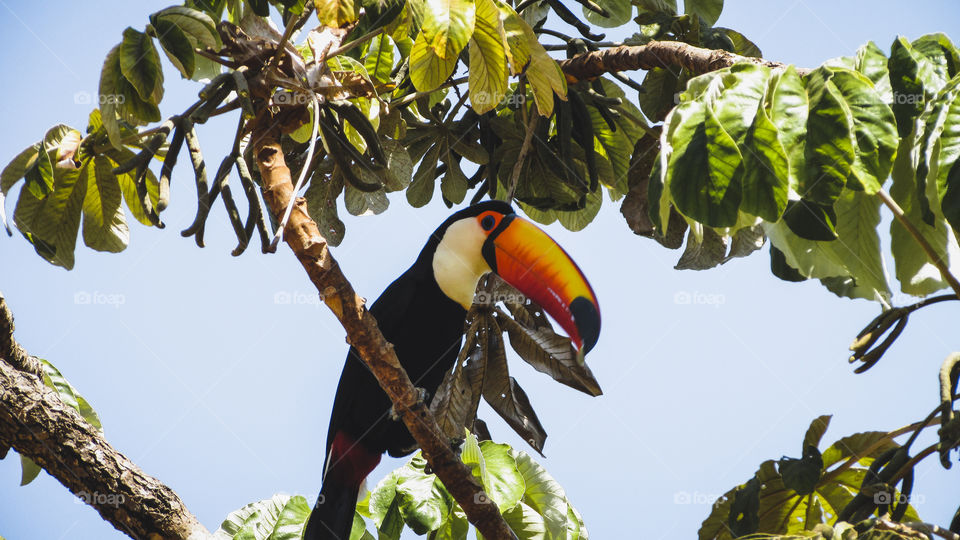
[529, 260]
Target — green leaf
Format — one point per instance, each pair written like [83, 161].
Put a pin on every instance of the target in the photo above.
[177, 46]
[104, 222]
[701, 175]
[140, 64]
[788, 111]
[120, 101]
[360, 203]
[917, 275]
[427, 69]
[421, 189]
[708, 10]
[487, 78]
[945, 170]
[829, 151]
[379, 59]
[802, 475]
[616, 144]
[447, 25]
[128, 187]
[399, 170]
[621, 11]
[322, 205]
[766, 178]
[197, 25]
[68, 394]
[17, 168]
[280, 517]
[543, 72]
[526, 523]
[56, 219]
[336, 13]
[874, 129]
[811, 221]
[454, 184]
[424, 502]
[544, 495]
[854, 256]
[501, 479]
[668, 7]
[29, 470]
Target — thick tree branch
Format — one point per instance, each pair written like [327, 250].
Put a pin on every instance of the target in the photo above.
[656, 54]
[10, 350]
[304, 238]
[39, 425]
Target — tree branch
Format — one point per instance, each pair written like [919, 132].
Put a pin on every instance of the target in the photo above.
[656, 54]
[39, 425]
[310, 247]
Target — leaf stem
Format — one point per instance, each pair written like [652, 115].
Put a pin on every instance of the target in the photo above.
[927, 248]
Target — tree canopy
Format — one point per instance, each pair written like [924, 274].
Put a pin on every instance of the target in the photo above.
[709, 149]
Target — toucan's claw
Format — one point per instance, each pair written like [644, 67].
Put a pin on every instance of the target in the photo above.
[422, 396]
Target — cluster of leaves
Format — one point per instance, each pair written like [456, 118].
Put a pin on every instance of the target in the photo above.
[68, 175]
[812, 496]
[481, 369]
[803, 157]
[52, 378]
[531, 501]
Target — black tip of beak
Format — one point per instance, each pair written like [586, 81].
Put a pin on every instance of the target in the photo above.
[587, 319]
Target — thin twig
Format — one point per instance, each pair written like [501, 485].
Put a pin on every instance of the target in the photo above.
[927, 248]
[406, 100]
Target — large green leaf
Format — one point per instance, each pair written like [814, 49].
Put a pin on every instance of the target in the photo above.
[337, 13]
[543, 72]
[829, 151]
[853, 262]
[874, 129]
[766, 177]
[488, 59]
[55, 220]
[177, 46]
[944, 170]
[379, 59]
[701, 175]
[104, 222]
[917, 275]
[322, 205]
[197, 25]
[140, 64]
[280, 517]
[120, 100]
[708, 10]
[620, 12]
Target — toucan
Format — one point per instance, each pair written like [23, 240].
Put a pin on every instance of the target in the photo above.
[422, 314]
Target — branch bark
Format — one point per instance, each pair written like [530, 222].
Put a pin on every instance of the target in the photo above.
[39, 425]
[656, 54]
[310, 247]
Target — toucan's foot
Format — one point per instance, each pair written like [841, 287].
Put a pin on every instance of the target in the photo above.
[422, 396]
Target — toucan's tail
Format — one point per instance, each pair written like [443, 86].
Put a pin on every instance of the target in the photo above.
[332, 517]
[348, 464]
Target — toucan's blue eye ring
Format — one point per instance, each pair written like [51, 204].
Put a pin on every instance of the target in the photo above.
[488, 223]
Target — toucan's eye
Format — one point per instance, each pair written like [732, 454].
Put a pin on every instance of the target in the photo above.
[488, 222]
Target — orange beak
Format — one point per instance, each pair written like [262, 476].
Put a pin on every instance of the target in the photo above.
[533, 263]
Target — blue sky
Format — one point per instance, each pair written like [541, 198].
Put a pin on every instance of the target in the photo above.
[210, 384]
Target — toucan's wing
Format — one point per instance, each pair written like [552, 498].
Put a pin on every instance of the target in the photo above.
[358, 387]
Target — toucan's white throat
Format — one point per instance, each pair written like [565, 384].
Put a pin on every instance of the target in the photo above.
[458, 262]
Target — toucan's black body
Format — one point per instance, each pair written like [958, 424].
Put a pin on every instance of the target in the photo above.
[425, 326]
